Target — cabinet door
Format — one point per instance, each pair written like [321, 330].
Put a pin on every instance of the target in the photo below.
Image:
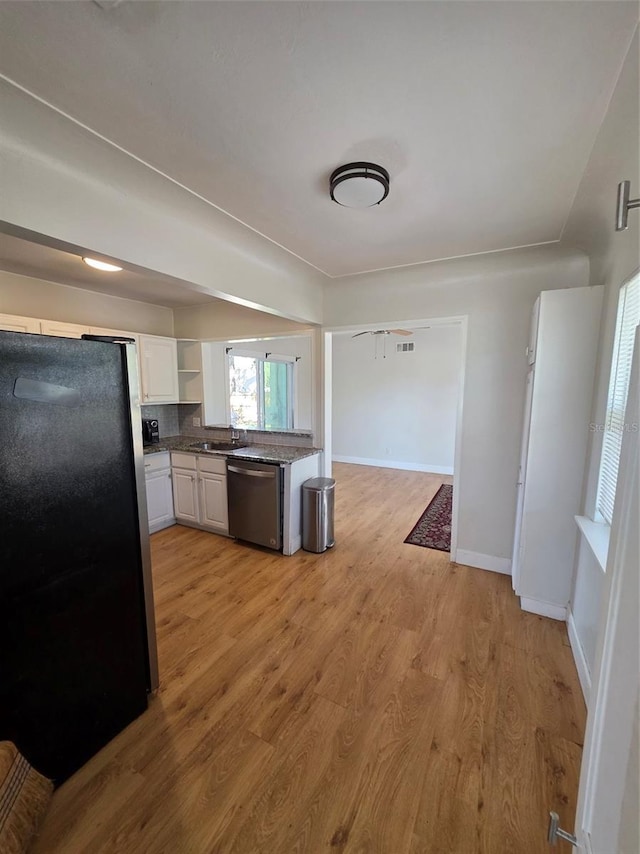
[213, 501]
[159, 499]
[185, 495]
[215, 383]
[13, 323]
[158, 369]
[63, 330]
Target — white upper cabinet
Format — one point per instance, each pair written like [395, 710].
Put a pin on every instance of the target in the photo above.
[158, 369]
[63, 330]
[13, 323]
[189, 370]
[215, 382]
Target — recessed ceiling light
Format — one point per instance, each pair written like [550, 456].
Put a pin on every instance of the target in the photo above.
[102, 265]
[359, 185]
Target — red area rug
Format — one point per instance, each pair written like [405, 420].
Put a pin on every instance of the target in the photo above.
[433, 528]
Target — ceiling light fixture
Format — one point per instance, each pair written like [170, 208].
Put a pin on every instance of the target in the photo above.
[359, 185]
[102, 265]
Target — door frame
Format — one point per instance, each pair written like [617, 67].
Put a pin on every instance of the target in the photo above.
[610, 665]
[327, 395]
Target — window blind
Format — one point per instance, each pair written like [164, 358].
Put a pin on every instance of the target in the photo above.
[627, 320]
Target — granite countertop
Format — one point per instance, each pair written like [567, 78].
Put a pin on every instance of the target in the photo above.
[258, 453]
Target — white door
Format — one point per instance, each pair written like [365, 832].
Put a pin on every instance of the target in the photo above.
[522, 475]
[63, 330]
[158, 369]
[159, 499]
[12, 323]
[607, 820]
[185, 495]
[213, 501]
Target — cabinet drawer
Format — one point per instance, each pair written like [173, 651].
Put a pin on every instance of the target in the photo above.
[183, 461]
[216, 465]
[156, 462]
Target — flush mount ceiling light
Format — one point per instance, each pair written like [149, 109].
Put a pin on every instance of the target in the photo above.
[102, 265]
[359, 185]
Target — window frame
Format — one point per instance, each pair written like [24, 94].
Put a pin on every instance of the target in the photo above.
[604, 503]
[261, 357]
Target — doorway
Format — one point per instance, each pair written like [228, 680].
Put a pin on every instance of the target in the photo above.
[398, 393]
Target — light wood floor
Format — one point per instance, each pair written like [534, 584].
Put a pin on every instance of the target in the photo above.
[375, 698]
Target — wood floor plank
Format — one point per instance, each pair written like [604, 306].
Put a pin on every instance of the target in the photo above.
[374, 698]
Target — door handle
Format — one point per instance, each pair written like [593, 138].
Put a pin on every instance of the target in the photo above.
[251, 472]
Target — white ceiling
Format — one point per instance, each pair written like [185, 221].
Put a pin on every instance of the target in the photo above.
[484, 113]
[54, 265]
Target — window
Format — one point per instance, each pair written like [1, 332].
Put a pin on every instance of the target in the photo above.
[261, 391]
[614, 427]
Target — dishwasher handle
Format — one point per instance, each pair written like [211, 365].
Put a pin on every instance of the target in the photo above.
[252, 472]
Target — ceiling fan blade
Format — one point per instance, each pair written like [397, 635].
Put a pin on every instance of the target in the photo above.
[358, 334]
[401, 331]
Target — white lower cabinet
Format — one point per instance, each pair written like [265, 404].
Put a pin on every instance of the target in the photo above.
[157, 469]
[185, 496]
[213, 501]
[200, 491]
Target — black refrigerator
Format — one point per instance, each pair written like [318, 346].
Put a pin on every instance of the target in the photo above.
[77, 631]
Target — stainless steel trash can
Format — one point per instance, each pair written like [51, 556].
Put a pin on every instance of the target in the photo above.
[318, 498]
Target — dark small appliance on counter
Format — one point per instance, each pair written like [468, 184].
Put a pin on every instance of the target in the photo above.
[150, 431]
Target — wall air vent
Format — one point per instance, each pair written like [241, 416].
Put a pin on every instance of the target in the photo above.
[405, 347]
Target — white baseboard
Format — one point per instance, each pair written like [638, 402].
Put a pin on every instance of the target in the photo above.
[480, 561]
[160, 526]
[543, 609]
[393, 464]
[579, 657]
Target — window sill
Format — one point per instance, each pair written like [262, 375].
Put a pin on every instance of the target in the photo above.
[597, 535]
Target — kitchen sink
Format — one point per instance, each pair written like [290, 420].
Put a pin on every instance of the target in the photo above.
[218, 446]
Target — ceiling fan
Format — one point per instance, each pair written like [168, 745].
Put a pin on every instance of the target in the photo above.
[383, 332]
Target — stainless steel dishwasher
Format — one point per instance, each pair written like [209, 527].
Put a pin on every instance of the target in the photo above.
[255, 502]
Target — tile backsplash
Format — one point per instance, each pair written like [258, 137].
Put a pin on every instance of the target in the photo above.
[258, 437]
[177, 420]
[166, 416]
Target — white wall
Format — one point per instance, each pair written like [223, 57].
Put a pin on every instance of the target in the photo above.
[586, 600]
[62, 181]
[301, 345]
[399, 411]
[614, 256]
[30, 297]
[223, 320]
[497, 293]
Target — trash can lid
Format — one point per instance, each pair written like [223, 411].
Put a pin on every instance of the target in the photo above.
[319, 484]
